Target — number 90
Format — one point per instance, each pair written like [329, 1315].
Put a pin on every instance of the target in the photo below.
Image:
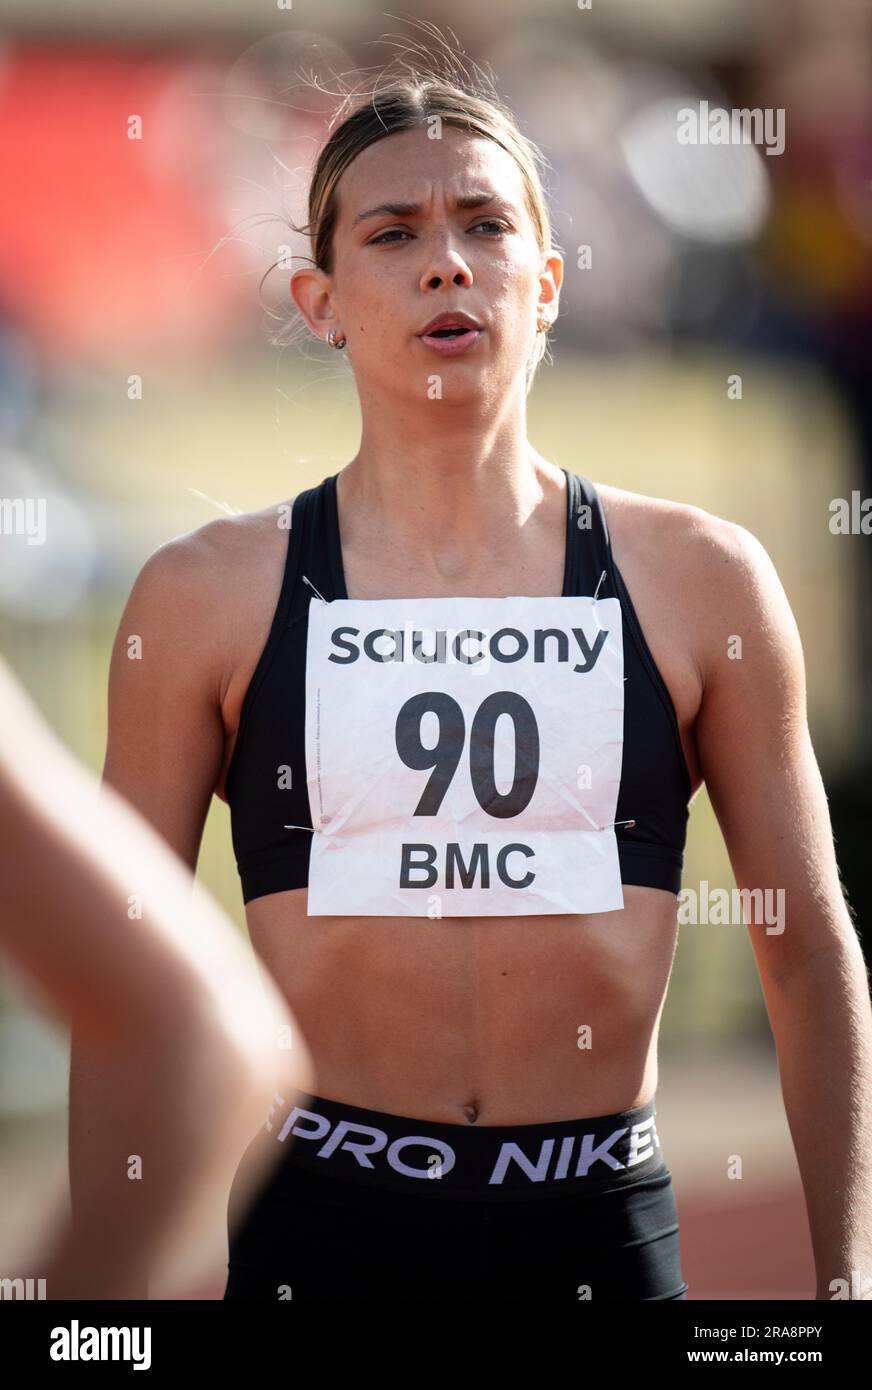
[445, 756]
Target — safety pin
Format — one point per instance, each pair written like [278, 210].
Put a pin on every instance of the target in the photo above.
[323, 600]
[298, 827]
[590, 818]
[601, 578]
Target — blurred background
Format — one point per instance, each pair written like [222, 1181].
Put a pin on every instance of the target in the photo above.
[150, 158]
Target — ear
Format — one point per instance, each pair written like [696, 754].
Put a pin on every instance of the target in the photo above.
[311, 291]
[550, 280]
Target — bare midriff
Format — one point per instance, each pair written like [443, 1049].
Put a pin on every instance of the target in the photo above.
[474, 1020]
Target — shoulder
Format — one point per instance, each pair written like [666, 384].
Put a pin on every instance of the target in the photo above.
[226, 539]
[660, 518]
[196, 595]
[695, 540]
[718, 572]
[190, 567]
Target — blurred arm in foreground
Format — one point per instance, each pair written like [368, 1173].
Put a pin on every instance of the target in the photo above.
[168, 1007]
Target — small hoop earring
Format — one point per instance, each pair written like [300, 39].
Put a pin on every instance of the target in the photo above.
[331, 339]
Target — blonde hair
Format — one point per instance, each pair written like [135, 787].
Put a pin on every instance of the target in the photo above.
[426, 89]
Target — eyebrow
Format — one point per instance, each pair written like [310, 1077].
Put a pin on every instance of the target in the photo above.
[475, 199]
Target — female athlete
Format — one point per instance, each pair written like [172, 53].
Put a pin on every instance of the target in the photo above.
[459, 797]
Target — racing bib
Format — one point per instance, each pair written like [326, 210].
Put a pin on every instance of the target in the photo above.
[463, 755]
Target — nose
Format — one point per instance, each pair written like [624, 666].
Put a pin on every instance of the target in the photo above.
[445, 265]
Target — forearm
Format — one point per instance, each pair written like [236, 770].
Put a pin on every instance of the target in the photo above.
[159, 1130]
[822, 1022]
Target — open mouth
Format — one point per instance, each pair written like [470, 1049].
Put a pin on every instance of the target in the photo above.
[451, 339]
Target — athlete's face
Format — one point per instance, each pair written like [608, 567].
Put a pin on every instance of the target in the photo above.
[395, 268]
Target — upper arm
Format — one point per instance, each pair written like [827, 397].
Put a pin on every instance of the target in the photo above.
[756, 753]
[165, 731]
[72, 857]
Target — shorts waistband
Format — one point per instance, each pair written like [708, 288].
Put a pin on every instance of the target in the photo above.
[480, 1162]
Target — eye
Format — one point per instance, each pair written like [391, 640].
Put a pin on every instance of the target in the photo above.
[394, 230]
[400, 231]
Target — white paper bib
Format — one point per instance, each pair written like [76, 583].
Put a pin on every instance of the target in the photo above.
[463, 756]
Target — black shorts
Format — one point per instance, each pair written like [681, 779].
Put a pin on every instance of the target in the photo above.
[366, 1205]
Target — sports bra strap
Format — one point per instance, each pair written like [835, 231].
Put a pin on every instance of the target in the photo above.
[588, 540]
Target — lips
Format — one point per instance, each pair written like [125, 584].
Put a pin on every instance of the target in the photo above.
[464, 323]
[450, 334]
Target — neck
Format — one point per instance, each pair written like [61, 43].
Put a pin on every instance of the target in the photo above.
[445, 484]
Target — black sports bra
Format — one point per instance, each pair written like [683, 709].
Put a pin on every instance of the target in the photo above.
[266, 781]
